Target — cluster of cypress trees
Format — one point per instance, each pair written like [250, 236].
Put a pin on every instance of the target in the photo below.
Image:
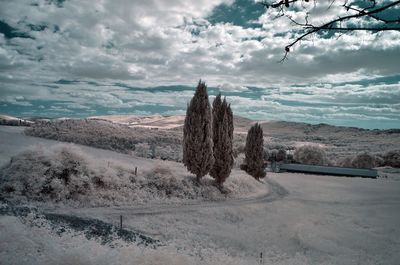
[208, 139]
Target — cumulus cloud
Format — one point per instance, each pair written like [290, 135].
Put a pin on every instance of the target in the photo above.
[143, 44]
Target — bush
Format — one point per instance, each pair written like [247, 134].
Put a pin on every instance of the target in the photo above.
[379, 160]
[363, 160]
[239, 160]
[162, 181]
[65, 174]
[238, 148]
[161, 170]
[271, 155]
[310, 155]
[290, 158]
[276, 152]
[281, 155]
[392, 158]
[57, 174]
[142, 150]
[345, 161]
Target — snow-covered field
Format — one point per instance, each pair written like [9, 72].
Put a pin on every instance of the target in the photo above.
[293, 219]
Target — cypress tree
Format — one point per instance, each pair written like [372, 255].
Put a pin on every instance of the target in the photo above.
[197, 134]
[254, 152]
[222, 139]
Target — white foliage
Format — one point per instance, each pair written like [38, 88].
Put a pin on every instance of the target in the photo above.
[23, 244]
[65, 174]
[142, 150]
[239, 160]
[311, 155]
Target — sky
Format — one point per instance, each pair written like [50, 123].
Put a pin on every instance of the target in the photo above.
[79, 58]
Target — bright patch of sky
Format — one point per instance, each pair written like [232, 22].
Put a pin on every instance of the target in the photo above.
[82, 58]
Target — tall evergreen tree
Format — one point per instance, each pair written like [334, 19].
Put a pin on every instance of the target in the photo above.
[223, 140]
[197, 134]
[254, 152]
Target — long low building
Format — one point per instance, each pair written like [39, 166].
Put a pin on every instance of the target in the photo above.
[329, 170]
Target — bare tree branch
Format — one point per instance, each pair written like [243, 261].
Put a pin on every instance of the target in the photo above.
[370, 11]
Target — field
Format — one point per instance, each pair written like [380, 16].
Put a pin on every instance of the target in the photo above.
[161, 137]
[285, 219]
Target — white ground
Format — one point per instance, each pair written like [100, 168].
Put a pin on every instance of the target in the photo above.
[320, 220]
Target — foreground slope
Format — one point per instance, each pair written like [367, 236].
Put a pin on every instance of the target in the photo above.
[40, 170]
[312, 220]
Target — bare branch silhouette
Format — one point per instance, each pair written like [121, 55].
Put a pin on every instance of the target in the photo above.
[371, 11]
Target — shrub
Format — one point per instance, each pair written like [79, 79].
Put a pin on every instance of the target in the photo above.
[345, 161]
[65, 174]
[392, 158]
[197, 134]
[254, 152]
[275, 152]
[311, 155]
[363, 160]
[142, 150]
[161, 170]
[238, 148]
[57, 174]
[290, 157]
[379, 160]
[271, 155]
[281, 155]
[164, 183]
[239, 160]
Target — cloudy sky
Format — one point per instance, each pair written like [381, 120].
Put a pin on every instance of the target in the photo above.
[80, 58]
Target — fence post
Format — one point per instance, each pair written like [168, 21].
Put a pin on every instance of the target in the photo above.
[120, 222]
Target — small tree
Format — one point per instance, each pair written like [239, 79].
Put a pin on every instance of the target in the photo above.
[254, 152]
[281, 155]
[222, 139]
[311, 155]
[363, 160]
[392, 158]
[197, 135]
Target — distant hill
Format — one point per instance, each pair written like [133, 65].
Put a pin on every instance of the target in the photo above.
[14, 121]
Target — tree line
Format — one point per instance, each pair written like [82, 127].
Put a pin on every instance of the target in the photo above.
[208, 139]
